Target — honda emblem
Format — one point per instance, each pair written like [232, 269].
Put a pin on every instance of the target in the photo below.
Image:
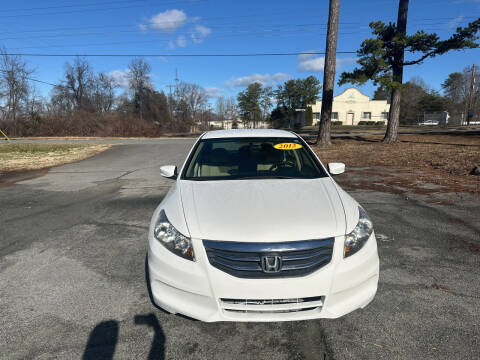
[271, 263]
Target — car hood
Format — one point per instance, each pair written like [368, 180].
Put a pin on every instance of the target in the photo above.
[267, 210]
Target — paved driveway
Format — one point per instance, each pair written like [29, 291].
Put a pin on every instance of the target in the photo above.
[72, 249]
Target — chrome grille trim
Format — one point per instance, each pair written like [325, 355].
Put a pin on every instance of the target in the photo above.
[265, 306]
[243, 259]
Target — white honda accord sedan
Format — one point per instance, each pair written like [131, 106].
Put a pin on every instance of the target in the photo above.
[255, 228]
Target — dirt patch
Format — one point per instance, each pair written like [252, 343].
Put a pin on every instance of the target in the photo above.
[22, 157]
[424, 164]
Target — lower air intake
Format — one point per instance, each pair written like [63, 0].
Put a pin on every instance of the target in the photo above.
[272, 306]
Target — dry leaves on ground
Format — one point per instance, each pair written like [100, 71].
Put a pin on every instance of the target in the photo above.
[444, 160]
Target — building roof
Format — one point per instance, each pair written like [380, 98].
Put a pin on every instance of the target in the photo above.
[234, 133]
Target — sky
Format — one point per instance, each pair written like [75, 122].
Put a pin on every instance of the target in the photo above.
[219, 27]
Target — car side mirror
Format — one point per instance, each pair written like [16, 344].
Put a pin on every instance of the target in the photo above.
[168, 171]
[336, 168]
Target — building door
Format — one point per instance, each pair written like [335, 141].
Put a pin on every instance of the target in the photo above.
[350, 118]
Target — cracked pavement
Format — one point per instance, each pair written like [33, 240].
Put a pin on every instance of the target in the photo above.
[72, 279]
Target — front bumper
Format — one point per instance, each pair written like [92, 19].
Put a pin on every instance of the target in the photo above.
[196, 289]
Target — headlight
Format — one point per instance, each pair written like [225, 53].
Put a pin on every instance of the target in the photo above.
[169, 237]
[359, 236]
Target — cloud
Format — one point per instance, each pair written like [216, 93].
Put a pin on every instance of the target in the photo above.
[262, 79]
[250, 79]
[168, 21]
[313, 63]
[142, 27]
[309, 62]
[199, 33]
[181, 41]
[280, 77]
[213, 92]
[119, 77]
[454, 22]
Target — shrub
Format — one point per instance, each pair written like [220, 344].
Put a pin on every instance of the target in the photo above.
[337, 123]
[380, 123]
[366, 122]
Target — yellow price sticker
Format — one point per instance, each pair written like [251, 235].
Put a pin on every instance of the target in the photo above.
[287, 146]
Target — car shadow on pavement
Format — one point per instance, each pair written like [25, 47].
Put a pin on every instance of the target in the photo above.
[104, 337]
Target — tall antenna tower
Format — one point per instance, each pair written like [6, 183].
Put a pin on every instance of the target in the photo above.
[177, 80]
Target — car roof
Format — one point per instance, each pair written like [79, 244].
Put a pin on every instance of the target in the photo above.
[239, 133]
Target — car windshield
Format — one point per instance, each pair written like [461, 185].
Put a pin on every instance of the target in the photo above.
[251, 158]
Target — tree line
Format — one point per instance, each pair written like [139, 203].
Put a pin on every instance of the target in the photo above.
[256, 102]
[87, 103]
[417, 98]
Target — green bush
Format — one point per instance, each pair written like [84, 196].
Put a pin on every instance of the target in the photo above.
[379, 122]
[366, 122]
[336, 123]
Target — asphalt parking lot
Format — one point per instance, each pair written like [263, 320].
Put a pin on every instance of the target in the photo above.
[72, 279]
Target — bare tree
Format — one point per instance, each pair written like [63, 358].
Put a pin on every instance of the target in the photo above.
[196, 99]
[104, 93]
[139, 79]
[190, 99]
[457, 90]
[231, 109]
[329, 73]
[79, 83]
[221, 108]
[14, 85]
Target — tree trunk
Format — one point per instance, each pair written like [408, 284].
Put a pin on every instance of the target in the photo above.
[392, 128]
[397, 70]
[329, 73]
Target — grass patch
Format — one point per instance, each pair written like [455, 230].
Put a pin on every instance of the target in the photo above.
[37, 148]
[19, 157]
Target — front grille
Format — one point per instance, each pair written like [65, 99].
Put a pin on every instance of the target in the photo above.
[272, 306]
[240, 259]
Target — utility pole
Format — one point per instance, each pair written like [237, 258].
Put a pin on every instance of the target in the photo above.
[170, 101]
[329, 73]
[470, 98]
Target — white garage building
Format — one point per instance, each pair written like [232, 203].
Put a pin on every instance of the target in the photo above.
[351, 107]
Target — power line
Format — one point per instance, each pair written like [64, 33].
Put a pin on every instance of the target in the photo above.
[154, 41]
[95, 9]
[244, 34]
[421, 20]
[177, 55]
[32, 79]
[221, 34]
[76, 5]
[296, 53]
[276, 29]
[226, 30]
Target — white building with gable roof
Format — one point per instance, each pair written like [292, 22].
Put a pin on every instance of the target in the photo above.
[351, 107]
